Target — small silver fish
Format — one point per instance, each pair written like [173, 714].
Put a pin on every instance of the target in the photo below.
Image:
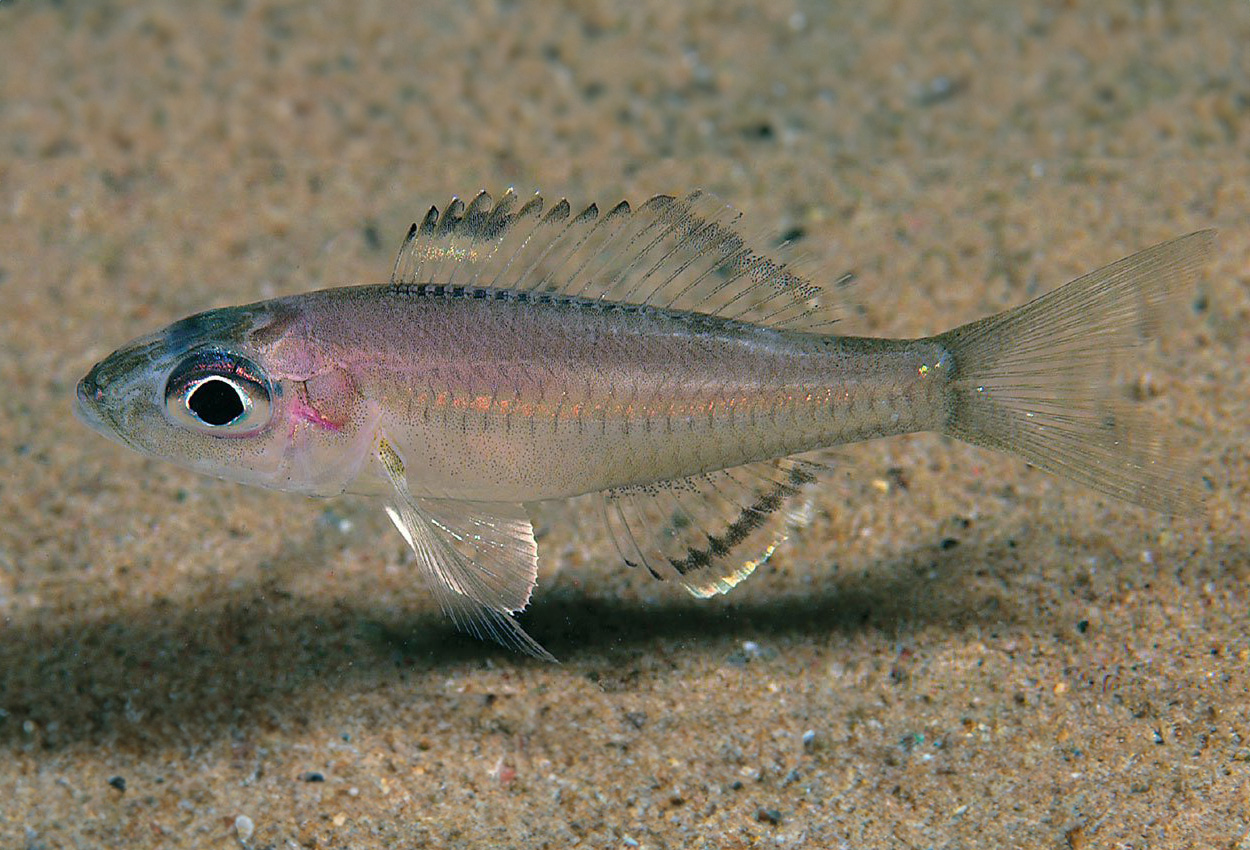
[649, 357]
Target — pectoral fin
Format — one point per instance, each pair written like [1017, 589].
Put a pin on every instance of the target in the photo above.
[480, 557]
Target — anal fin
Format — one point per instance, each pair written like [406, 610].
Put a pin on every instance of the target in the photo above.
[711, 531]
[480, 558]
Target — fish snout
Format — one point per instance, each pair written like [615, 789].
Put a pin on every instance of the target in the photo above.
[89, 389]
[90, 395]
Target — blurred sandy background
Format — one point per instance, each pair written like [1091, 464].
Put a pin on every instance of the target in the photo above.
[958, 652]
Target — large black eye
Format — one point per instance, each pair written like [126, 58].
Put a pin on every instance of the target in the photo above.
[218, 392]
[216, 401]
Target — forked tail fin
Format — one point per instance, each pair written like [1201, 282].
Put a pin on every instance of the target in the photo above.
[1040, 381]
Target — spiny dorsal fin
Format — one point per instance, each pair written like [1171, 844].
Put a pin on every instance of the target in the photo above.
[684, 254]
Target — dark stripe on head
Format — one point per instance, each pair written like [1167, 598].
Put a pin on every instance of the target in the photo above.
[226, 327]
[185, 333]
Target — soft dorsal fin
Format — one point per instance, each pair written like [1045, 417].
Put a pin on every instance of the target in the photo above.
[674, 253]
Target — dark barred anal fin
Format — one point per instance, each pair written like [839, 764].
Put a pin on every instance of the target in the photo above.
[682, 254]
[480, 559]
[1044, 381]
[712, 531]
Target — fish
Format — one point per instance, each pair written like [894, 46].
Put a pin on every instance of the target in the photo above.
[650, 360]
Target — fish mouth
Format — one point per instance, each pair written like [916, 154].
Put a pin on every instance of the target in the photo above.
[87, 406]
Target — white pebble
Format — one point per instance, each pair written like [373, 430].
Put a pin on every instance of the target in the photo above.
[243, 827]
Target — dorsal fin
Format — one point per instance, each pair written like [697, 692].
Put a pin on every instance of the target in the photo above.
[682, 254]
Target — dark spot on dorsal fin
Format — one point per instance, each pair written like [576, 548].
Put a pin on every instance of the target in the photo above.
[429, 223]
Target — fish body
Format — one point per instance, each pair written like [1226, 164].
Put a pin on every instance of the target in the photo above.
[494, 400]
[650, 357]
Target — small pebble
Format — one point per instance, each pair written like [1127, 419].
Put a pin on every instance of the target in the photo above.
[373, 238]
[937, 90]
[751, 651]
[768, 816]
[809, 738]
[118, 782]
[332, 519]
[312, 776]
[243, 827]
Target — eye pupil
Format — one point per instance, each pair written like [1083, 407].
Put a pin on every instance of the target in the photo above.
[215, 402]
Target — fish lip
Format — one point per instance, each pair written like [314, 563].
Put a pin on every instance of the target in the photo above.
[87, 400]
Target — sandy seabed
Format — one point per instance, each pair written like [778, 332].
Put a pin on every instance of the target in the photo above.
[957, 651]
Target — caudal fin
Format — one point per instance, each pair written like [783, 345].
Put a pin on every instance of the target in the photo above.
[1040, 381]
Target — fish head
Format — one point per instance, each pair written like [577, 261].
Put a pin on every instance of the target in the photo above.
[226, 393]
